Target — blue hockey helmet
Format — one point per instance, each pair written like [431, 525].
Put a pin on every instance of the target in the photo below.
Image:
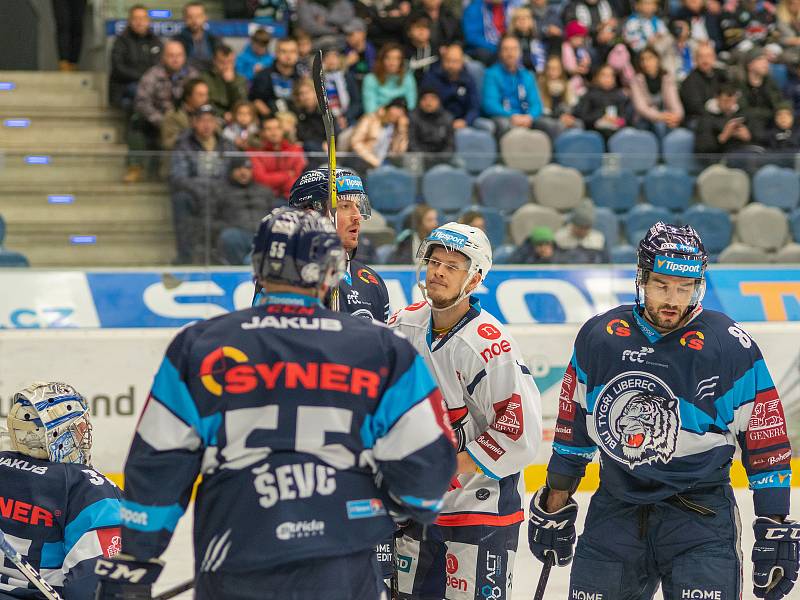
[310, 191]
[298, 248]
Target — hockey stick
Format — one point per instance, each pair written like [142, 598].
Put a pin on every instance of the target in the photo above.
[176, 591]
[318, 76]
[27, 570]
[543, 577]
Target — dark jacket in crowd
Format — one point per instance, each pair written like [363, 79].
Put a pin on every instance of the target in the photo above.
[222, 95]
[595, 101]
[240, 206]
[525, 254]
[131, 56]
[198, 54]
[160, 91]
[310, 130]
[195, 170]
[445, 30]
[271, 87]
[381, 27]
[709, 126]
[460, 98]
[709, 20]
[430, 132]
[783, 140]
[759, 104]
[697, 89]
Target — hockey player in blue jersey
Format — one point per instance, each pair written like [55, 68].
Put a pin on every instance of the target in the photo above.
[666, 391]
[308, 426]
[55, 510]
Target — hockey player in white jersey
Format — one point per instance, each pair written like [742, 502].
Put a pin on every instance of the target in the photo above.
[494, 408]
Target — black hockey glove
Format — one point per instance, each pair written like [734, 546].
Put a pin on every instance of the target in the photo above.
[776, 555]
[125, 578]
[552, 533]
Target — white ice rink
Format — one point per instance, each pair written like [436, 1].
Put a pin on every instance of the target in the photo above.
[526, 575]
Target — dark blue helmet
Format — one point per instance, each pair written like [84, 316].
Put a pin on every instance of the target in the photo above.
[298, 248]
[310, 191]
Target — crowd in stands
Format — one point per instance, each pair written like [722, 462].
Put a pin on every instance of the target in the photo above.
[403, 76]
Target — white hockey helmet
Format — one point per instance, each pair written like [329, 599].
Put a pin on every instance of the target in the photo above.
[50, 421]
[458, 237]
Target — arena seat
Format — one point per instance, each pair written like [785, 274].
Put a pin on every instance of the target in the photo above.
[391, 189]
[476, 150]
[398, 221]
[743, 253]
[764, 227]
[776, 186]
[529, 216]
[640, 218]
[713, 224]
[477, 71]
[638, 149]
[558, 187]
[446, 188]
[779, 74]
[624, 254]
[677, 149]
[383, 253]
[794, 224]
[525, 149]
[668, 187]
[579, 149]
[606, 221]
[617, 189]
[501, 254]
[725, 188]
[503, 188]
[496, 223]
[790, 253]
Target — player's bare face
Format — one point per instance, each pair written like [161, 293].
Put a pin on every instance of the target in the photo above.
[666, 300]
[348, 222]
[445, 274]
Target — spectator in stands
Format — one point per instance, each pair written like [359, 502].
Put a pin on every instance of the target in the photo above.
[386, 19]
[178, 120]
[382, 133]
[255, 55]
[424, 219]
[158, 92]
[430, 127]
[760, 94]
[305, 52]
[243, 130]
[239, 205]
[723, 128]
[324, 21]
[389, 80]
[792, 89]
[784, 136]
[198, 161]
[344, 93]
[225, 86]
[644, 27]
[700, 23]
[445, 26]
[604, 107]
[359, 52]
[656, 103]
[197, 41]
[538, 248]
[558, 100]
[599, 17]
[455, 87]
[310, 127]
[523, 27]
[288, 121]
[278, 163]
[747, 24]
[68, 15]
[788, 23]
[548, 23]
[484, 23]
[510, 95]
[576, 57]
[473, 218]
[578, 241]
[702, 84]
[419, 52]
[272, 87]
[134, 51]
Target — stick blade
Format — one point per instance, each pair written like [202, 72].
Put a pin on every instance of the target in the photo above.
[318, 75]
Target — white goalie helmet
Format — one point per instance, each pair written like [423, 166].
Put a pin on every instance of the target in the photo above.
[50, 421]
[459, 237]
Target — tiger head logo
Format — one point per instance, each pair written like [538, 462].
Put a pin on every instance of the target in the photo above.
[647, 428]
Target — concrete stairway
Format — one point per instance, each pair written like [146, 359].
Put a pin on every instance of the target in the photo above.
[118, 9]
[58, 139]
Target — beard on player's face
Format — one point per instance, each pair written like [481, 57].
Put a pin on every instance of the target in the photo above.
[664, 315]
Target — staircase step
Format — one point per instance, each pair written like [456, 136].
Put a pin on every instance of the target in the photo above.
[77, 166]
[51, 133]
[119, 9]
[61, 114]
[50, 81]
[154, 209]
[107, 252]
[46, 97]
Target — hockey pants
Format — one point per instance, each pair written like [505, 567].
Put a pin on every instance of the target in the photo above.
[456, 563]
[689, 543]
[352, 577]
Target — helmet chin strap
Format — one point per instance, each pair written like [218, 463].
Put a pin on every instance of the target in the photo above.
[461, 294]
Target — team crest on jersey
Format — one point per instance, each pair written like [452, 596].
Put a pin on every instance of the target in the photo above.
[637, 419]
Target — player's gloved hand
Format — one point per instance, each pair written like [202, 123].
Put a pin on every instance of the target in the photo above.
[125, 578]
[776, 555]
[552, 533]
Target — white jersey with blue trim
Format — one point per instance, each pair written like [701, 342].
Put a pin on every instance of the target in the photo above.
[494, 409]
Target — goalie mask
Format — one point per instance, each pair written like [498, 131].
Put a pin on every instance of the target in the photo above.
[50, 421]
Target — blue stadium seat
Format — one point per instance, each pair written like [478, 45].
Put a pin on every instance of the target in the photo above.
[677, 147]
[383, 253]
[446, 188]
[476, 150]
[623, 255]
[713, 224]
[501, 254]
[495, 223]
[398, 220]
[779, 74]
[777, 186]
[607, 223]
[9, 258]
[668, 187]
[503, 188]
[477, 70]
[579, 149]
[617, 189]
[794, 224]
[391, 189]
[638, 149]
[641, 218]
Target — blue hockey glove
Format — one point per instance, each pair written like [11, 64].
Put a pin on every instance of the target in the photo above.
[776, 555]
[125, 578]
[552, 533]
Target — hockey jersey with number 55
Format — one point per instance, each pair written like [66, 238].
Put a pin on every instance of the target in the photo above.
[494, 409]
